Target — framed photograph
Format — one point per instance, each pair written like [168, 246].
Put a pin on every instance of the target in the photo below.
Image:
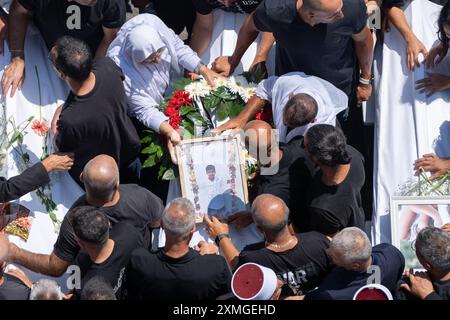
[212, 175]
[409, 215]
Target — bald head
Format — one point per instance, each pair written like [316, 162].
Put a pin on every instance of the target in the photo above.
[320, 11]
[258, 135]
[270, 213]
[101, 177]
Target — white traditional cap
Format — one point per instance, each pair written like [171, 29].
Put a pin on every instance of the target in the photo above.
[373, 291]
[254, 282]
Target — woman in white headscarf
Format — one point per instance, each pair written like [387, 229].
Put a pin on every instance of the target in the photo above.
[151, 56]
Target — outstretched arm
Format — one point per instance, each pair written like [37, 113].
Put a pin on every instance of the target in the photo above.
[202, 33]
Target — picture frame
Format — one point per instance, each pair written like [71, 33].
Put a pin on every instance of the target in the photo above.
[409, 215]
[212, 175]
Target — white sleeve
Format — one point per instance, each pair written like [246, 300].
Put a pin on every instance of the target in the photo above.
[187, 58]
[264, 90]
[143, 107]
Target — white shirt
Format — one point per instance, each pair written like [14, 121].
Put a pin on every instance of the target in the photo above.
[330, 100]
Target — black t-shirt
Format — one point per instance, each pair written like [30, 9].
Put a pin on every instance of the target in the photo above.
[113, 269]
[290, 182]
[341, 284]
[387, 4]
[301, 268]
[325, 50]
[333, 208]
[205, 7]
[193, 277]
[97, 123]
[13, 289]
[137, 206]
[57, 18]
[441, 291]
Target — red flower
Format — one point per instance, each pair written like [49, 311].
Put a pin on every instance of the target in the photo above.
[175, 121]
[265, 114]
[40, 127]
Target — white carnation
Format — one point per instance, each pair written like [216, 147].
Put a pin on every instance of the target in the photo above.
[198, 89]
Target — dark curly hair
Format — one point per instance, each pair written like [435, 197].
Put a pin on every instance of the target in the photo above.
[328, 145]
[444, 19]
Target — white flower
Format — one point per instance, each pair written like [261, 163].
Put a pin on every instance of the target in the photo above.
[247, 93]
[221, 82]
[241, 81]
[198, 89]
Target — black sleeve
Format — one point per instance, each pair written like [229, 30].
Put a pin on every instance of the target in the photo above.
[66, 246]
[387, 4]
[224, 279]
[202, 7]
[27, 181]
[433, 296]
[326, 222]
[360, 17]
[114, 14]
[32, 5]
[261, 19]
[155, 207]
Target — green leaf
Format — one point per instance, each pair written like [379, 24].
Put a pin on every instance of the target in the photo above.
[14, 137]
[236, 108]
[185, 133]
[169, 174]
[151, 149]
[223, 110]
[196, 117]
[180, 84]
[150, 162]
[20, 138]
[159, 152]
[186, 109]
[147, 139]
[188, 125]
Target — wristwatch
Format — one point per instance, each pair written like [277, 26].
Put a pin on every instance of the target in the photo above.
[220, 237]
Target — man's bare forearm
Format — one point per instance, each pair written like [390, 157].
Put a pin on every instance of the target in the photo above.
[230, 253]
[264, 47]
[398, 19]
[46, 264]
[364, 53]
[18, 23]
[254, 105]
[247, 34]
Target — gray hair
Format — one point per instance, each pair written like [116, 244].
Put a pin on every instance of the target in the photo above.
[46, 289]
[352, 245]
[179, 224]
[433, 244]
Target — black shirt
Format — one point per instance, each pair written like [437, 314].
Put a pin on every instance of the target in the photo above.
[441, 291]
[97, 123]
[156, 276]
[13, 289]
[113, 269]
[301, 268]
[341, 284]
[325, 50]
[290, 190]
[137, 206]
[333, 208]
[205, 7]
[57, 18]
[27, 181]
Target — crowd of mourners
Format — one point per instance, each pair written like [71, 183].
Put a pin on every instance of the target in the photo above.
[312, 213]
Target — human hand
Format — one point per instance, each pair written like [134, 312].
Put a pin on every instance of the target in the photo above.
[59, 162]
[446, 227]
[214, 227]
[173, 139]
[209, 75]
[241, 220]
[224, 65]
[413, 48]
[435, 56]
[363, 92]
[421, 285]
[277, 293]
[204, 247]
[3, 34]
[234, 124]
[433, 83]
[14, 76]
[433, 164]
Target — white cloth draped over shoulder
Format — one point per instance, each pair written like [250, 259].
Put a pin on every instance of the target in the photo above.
[408, 124]
[146, 83]
[277, 90]
[224, 37]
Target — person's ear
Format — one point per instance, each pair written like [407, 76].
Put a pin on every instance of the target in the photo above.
[427, 266]
[355, 266]
[81, 177]
[290, 95]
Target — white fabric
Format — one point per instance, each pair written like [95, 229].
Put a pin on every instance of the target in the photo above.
[277, 90]
[224, 37]
[408, 124]
[146, 83]
[23, 105]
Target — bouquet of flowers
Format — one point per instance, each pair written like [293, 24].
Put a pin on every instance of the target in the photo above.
[192, 109]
